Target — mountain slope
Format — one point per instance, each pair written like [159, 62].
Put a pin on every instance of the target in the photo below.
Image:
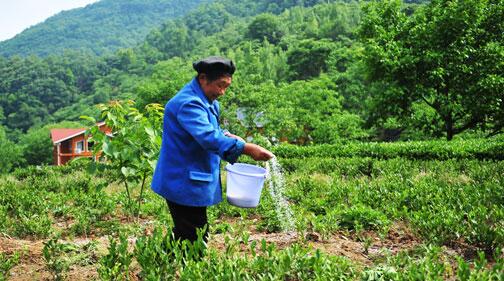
[98, 28]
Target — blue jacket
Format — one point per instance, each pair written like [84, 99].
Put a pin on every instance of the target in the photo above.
[188, 168]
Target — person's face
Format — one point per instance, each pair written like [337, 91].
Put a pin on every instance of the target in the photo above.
[216, 88]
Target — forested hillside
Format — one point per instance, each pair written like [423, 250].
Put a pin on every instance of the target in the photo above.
[98, 28]
[308, 72]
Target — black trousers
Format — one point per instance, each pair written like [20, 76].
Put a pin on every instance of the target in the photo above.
[186, 220]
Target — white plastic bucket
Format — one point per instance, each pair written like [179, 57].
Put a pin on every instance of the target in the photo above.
[244, 184]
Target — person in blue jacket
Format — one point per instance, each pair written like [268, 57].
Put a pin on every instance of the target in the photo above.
[187, 174]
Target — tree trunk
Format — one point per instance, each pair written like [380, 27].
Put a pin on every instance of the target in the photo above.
[449, 127]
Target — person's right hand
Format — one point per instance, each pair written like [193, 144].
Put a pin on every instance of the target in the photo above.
[257, 153]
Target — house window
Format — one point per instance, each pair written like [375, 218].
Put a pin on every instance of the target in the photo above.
[90, 146]
[79, 147]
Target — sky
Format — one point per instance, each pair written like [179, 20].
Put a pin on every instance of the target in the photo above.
[17, 15]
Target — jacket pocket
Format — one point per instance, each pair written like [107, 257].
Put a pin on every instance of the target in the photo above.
[200, 176]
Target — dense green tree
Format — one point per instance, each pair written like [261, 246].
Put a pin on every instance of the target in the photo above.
[37, 146]
[2, 116]
[338, 21]
[309, 58]
[181, 37]
[265, 26]
[27, 115]
[244, 8]
[259, 62]
[301, 112]
[208, 19]
[171, 40]
[33, 89]
[448, 55]
[11, 153]
[167, 79]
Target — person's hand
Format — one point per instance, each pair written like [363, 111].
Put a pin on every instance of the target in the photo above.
[257, 153]
[228, 134]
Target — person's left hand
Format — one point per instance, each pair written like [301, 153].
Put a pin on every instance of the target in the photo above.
[228, 134]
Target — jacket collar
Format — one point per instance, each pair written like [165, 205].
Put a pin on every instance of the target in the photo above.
[199, 92]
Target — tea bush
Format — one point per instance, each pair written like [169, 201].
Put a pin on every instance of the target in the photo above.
[7, 262]
[459, 149]
[444, 200]
[163, 258]
[449, 196]
[37, 196]
[115, 265]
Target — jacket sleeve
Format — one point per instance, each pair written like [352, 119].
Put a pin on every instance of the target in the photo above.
[192, 116]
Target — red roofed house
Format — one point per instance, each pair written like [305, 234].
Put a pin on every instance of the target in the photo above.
[72, 143]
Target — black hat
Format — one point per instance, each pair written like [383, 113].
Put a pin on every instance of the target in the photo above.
[214, 65]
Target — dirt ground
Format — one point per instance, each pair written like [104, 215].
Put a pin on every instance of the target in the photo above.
[362, 253]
